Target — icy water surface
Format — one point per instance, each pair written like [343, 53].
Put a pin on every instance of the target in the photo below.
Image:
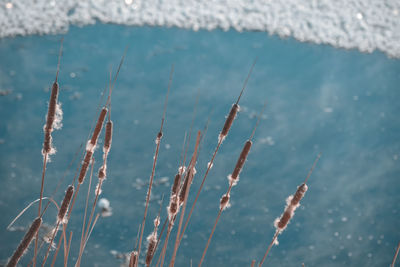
[342, 103]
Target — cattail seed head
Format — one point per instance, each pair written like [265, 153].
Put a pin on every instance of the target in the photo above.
[33, 229]
[301, 190]
[102, 171]
[224, 202]
[228, 122]
[85, 166]
[173, 207]
[99, 126]
[182, 192]
[108, 137]
[282, 222]
[65, 204]
[158, 138]
[53, 120]
[241, 160]
[156, 222]
[152, 239]
[134, 259]
[175, 186]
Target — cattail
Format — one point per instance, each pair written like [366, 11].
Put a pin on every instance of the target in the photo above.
[108, 137]
[99, 126]
[25, 242]
[134, 259]
[65, 204]
[53, 120]
[85, 166]
[234, 177]
[177, 182]
[292, 203]
[229, 121]
[224, 202]
[188, 179]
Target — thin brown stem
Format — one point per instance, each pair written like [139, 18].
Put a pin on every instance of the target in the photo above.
[209, 238]
[83, 235]
[395, 255]
[269, 248]
[312, 168]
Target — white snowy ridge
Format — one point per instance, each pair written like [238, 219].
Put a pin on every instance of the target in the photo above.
[362, 24]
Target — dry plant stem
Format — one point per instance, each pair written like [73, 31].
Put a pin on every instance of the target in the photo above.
[91, 230]
[56, 252]
[84, 216]
[51, 242]
[269, 248]
[40, 205]
[30, 234]
[191, 173]
[395, 255]
[253, 262]
[164, 250]
[209, 238]
[158, 141]
[225, 130]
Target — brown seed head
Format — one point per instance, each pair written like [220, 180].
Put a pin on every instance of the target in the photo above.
[85, 166]
[134, 259]
[301, 190]
[65, 203]
[241, 160]
[99, 126]
[25, 242]
[108, 137]
[224, 202]
[229, 120]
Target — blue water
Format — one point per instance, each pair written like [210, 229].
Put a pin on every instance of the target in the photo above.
[342, 103]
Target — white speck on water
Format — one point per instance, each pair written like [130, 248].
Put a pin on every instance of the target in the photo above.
[328, 110]
[9, 5]
[359, 16]
[360, 238]
[369, 255]
[344, 219]
[267, 140]
[72, 75]
[355, 98]
[348, 236]
[349, 254]
[395, 157]
[311, 247]
[128, 2]
[333, 257]
[167, 146]
[370, 237]
[336, 234]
